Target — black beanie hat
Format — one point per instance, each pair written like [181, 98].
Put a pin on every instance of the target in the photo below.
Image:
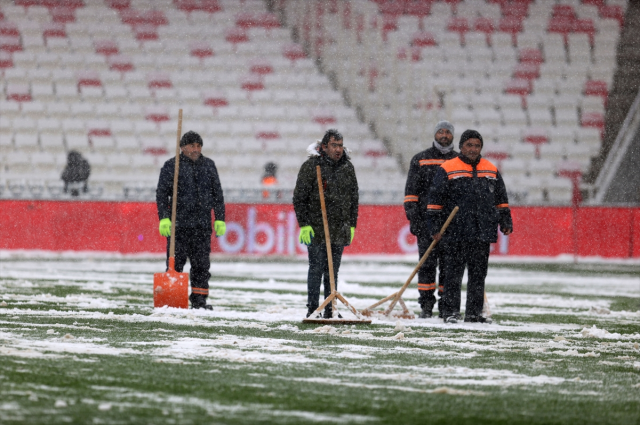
[470, 134]
[190, 137]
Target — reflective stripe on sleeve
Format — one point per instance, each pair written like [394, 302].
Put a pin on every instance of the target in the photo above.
[411, 198]
[502, 206]
[426, 286]
[434, 207]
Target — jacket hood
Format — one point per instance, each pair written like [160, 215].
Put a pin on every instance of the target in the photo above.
[314, 150]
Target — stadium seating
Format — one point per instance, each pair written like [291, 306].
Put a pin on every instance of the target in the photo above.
[531, 75]
[107, 78]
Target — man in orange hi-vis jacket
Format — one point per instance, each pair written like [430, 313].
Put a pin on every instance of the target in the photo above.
[474, 185]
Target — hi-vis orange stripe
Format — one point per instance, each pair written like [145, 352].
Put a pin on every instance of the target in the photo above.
[434, 207]
[411, 198]
[431, 161]
[200, 291]
[457, 168]
[426, 286]
[502, 206]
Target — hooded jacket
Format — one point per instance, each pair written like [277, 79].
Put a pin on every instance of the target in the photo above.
[477, 188]
[340, 195]
[199, 192]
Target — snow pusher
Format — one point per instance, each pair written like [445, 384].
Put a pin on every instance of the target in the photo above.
[396, 297]
[172, 288]
[313, 318]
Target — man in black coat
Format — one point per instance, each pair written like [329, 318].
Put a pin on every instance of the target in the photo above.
[474, 185]
[341, 199]
[199, 192]
[421, 171]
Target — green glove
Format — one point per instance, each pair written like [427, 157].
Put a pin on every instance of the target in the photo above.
[165, 227]
[353, 232]
[220, 227]
[306, 233]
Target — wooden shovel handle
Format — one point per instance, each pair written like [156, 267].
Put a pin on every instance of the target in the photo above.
[174, 199]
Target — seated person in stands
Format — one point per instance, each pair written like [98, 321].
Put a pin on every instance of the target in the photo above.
[76, 173]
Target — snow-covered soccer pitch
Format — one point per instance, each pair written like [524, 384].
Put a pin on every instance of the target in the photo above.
[81, 343]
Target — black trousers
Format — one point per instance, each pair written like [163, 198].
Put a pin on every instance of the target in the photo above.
[319, 271]
[427, 275]
[194, 243]
[455, 256]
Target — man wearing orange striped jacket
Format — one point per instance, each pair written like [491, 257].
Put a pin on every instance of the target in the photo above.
[421, 171]
[475, 185]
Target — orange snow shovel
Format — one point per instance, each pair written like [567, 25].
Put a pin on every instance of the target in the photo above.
[171, 288]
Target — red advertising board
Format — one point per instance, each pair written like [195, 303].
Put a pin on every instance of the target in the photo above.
[272, 229]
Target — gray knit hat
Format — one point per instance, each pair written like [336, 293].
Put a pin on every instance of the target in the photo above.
[443, 124]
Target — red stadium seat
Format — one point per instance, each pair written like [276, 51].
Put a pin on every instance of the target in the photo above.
[267, 135]
[518, 86]
[612, 12]
[527, 71]
[392, 8]
[261, 67]
[215, 99]
[414, 52]
[63, 14]
[106, 47]
[158, 80]
[423, 39]
[592, 119]
[200, 49]
[586, 26]
[236, 35]
[252, 83]
[324, 118]
[294, 52]
[119, 4]
[156, 114]
[145, 32]
[536, 137]
[6, 60]
[418, 8]
[459, 25]
[563, 11]
[120, 63]
[18, 92]
[9, 29]
[562, 25]
[88, 79]
[516, 10]
[531, 55]
[54, 29]
[10, 43]
[98, 128]
[485, 25]
[596, 88]
[73, 4]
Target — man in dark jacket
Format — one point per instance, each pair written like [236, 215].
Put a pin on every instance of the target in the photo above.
[421, 171]
[474, 185]
[341, 198]
[77, 170]
[199, 192]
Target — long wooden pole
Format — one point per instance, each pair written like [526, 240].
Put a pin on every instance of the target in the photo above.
[422, 260]
[327, 237]
[174, 200]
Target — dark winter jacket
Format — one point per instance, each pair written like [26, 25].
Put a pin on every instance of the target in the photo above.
[478, 189]
[421, 171]
[199, 192]
[77, 168]
[340, 196]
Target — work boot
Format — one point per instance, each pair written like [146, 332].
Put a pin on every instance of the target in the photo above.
[478, 319]
[426, 313]
[450, 319]
[310, 311]
[202, 306]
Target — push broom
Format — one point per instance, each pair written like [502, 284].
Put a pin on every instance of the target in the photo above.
[396, 297]
[172, 288]
[334, 294]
